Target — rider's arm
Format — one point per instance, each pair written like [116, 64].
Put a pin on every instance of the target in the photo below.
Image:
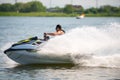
[51, 34]
[55, 33]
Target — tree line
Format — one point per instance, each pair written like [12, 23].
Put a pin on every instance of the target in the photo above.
[103, 9]
[36, 6]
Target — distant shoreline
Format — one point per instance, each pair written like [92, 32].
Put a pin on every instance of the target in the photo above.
[51, 14]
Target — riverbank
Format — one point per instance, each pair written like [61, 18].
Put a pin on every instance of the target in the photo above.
[51, 14]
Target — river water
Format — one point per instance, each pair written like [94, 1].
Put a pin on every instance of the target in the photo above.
[93, 42]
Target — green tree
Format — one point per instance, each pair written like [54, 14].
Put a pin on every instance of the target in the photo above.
[68, 9]
[105, 9]
[91, 10]
[18, 7]
[115, 9]
[6, 7]
[34, 6]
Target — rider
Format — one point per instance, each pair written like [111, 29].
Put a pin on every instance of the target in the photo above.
[59, 31]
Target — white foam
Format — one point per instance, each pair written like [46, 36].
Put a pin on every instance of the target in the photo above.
[96, 46]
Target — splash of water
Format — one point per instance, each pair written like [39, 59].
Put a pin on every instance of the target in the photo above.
[89, 45]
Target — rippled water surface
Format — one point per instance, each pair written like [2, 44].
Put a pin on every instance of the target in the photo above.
[94, 40]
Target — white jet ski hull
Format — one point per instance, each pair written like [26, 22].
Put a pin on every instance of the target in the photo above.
[27, 52]
[26, 57]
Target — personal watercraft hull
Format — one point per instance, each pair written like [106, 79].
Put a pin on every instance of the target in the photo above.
[33, 57]
[27, 52]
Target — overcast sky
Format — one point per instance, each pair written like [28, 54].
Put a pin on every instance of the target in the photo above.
[62, 3]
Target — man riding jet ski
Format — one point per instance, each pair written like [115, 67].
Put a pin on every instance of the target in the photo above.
[28, 51]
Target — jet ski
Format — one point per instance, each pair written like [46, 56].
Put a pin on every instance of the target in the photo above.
[28, 52]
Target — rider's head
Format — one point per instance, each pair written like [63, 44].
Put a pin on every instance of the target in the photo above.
[58, 27]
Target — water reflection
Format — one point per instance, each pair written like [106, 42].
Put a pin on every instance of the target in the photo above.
[43, 66]
[36, 71]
